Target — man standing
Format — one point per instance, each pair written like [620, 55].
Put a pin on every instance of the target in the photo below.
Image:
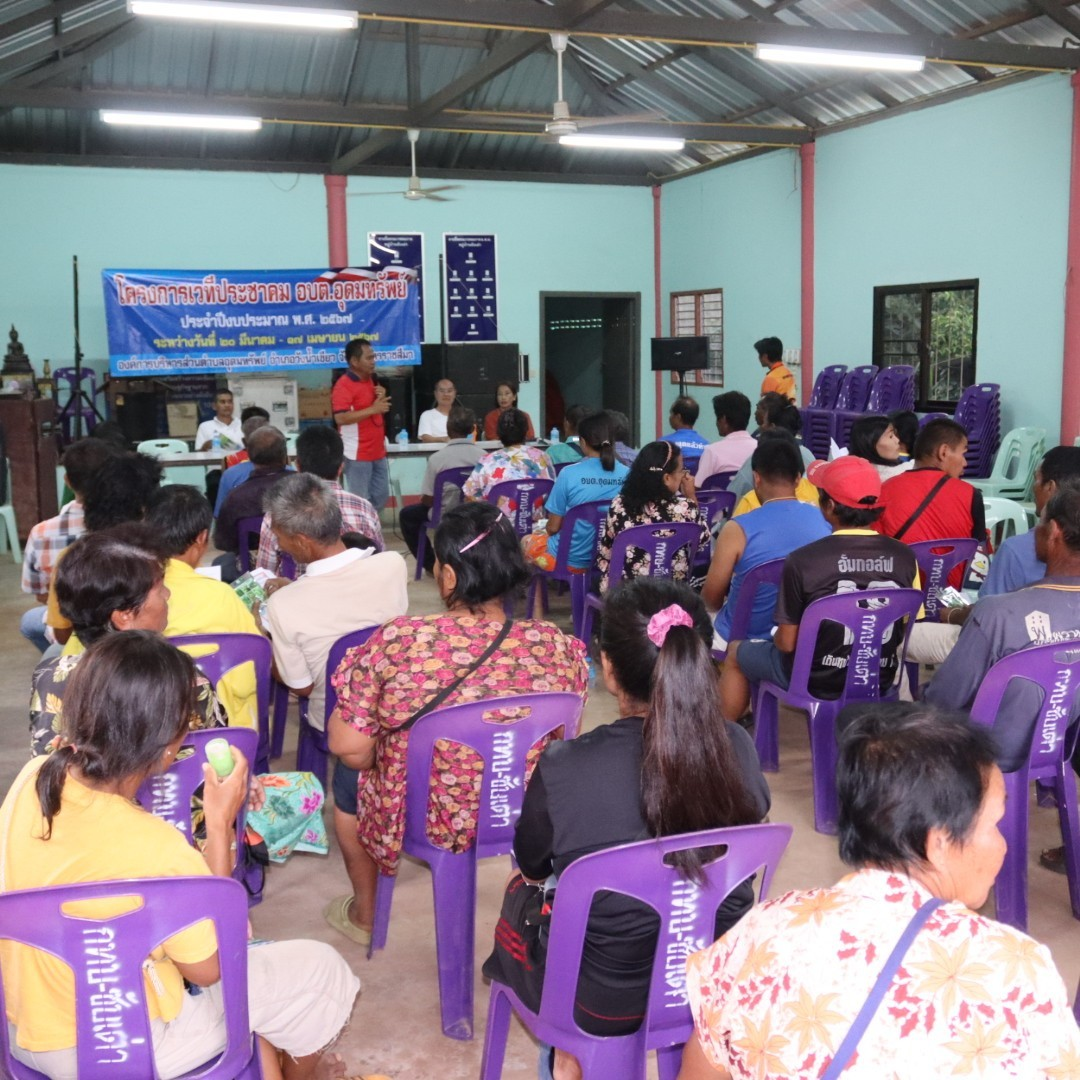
[221, 425]
[736, 443]
[779, 379]
[459, 452]
[359, 407]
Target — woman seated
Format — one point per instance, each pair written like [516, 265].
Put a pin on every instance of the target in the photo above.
[597, 477]
[623, 782]
[506, 396]
[514, 461]
[875, 438]
[656, 489]
[107, 581]
[906, 425]
[416, 663]
[920, 803]
[127, 711]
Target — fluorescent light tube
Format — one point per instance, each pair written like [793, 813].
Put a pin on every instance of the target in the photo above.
[622, 142]
[798, 54]
[181, 120]
[248, 14]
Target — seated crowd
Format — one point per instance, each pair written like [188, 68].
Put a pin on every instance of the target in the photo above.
[685, 637]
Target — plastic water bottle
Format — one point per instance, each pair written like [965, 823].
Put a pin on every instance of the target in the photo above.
[592, 671]
[402, 437]
[215, 442]
[553, 435]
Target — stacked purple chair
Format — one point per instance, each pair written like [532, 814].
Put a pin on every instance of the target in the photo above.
[816, 417]
[894, 388]
[979, 413]
[851, 402]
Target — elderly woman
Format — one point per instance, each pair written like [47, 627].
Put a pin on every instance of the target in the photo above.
[469, 652]
[512, 461]
[778, 995]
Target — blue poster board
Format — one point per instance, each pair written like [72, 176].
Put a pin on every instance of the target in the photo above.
[186, 322]
[400, 249]
[472, 289]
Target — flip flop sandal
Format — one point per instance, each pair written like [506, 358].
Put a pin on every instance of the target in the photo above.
[1054, 859]
[336, 913]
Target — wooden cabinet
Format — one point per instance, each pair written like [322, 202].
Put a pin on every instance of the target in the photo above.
[30, 436]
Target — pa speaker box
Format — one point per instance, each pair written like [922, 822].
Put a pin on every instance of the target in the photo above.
[475, 369]
[402, 412]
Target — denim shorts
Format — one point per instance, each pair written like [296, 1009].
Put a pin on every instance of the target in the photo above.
[762, 661]
[344, 785]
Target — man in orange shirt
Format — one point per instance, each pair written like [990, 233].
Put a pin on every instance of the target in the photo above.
[779, 379]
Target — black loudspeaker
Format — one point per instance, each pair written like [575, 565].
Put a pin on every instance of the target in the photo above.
[475, 369]
[402, 412]
[137, 416]
[680, 353]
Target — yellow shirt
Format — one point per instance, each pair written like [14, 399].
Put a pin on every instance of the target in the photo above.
[201, 605]
[804, 492]
[779, 380]
[53, 617]
[95, 837]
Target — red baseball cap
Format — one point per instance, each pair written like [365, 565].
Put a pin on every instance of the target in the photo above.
[849, 480]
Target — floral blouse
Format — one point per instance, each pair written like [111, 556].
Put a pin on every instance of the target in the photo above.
[507, 463]
[637, 563]
[776, 995]
[403, 665]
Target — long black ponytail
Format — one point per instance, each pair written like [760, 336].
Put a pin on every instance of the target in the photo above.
[596, 433]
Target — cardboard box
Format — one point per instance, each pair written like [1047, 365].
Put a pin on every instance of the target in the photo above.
[183, 419]
[314, 404]
[274, 394]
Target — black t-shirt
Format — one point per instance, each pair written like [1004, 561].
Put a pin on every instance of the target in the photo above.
[846, 561]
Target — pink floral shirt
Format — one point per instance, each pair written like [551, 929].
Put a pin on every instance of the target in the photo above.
[775, 996]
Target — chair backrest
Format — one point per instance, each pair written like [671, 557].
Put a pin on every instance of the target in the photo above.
[247, 537]
[715, 503]
[764, 575]
[590, 515]
[690, 463]
[290, 443]
[687, 914]
[558, 466]
[1055, 668]
[66, 377]
[1017, 458]
[660, 542]
[502, 745]
[717, 481]
[827, 386]
[867, 615]
[336, 655]
[163, 447]
[521, 501]
[455, 477]
[979, 404]
[936, 559]
[855, 388]
[894, 388]
[107, 953]
[1004, 518]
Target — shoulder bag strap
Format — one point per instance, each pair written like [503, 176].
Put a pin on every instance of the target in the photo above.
[899, 534]
[446, 691]
[881, 988]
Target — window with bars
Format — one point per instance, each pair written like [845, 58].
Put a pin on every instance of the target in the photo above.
[697, 313]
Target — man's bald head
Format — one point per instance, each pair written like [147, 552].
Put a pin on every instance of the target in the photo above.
[266, 446]
[253, 423]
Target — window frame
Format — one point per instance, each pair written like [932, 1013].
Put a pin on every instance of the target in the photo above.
[714, 374]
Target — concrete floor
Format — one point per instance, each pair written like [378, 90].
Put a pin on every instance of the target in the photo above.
[395, 1028]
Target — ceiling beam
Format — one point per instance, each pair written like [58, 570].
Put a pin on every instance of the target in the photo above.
[1058, 12]
[56, 10]
[412, 65]
[76, 61]
[32, 54]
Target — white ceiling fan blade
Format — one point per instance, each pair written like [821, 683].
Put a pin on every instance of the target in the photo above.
[619, 118]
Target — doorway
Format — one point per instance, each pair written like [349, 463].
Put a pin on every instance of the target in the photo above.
[590, 353]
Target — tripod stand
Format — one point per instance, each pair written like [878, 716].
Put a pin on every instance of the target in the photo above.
[73, 407]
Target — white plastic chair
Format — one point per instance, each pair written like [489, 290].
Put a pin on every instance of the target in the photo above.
[195, 475]
[290, 443]
[7, 515]
[1014, 465]
[1004, 518]
[163, 447]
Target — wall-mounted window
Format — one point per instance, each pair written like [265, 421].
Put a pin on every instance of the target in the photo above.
[698, 313]
[933, 328]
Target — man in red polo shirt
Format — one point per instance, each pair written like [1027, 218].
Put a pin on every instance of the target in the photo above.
[359, 405]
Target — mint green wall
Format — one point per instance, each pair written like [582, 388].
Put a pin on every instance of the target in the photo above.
[551, 237]
[736, 228]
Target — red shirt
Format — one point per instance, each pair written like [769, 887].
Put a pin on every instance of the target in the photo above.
[366, 440]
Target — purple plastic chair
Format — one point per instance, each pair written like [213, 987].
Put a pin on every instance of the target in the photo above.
[687, 917]
[817, 424]
[247, 537]
[661, 542]
[1055, 668]
[524, 501]
[558, 466]
[594, 515]
[107, 955]
[232, 650]
[455, 478]
[67, 380]
[717, 481]
[979, 413]
[855, 388]
[312, 748]
[716, 503]
[827, 386]
[168, 795]
[867, 616]
[504, 747]
[764, 575]
[936, 560]
[894, 388]
[691, 462]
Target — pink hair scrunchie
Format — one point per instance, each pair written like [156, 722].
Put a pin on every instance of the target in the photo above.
[664, 620]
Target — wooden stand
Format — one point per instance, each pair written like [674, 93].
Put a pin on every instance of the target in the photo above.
[29, 430]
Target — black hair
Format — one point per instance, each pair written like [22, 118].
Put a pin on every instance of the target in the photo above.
[178, 513]
[512, 427]
[319, 450]
[267, 446]
[772, 348]
[357, 540]
[906, 425]
[595, 432]
[906, 768]
[356, 347]
[128, 698]
[493, 567]
[848, 516]
[576, 413]
[776, 457]
[690, 777]
[120, 490]
[460, 422]
[862, 442]
[778, 411]
[1064, 509]
[222, 391]
[104, 572]
[1060, 463]
[644, 483]
[937, 433]
[83, 458]
[686, 409]
[734, 408]
[620, 426]
[109, 431]
[254, 410]
[509, 383]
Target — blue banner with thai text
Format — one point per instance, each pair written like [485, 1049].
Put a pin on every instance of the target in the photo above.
[187, 322]
[472, 307]
[400, 249]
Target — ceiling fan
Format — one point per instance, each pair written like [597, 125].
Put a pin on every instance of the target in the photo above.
[415, 192]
